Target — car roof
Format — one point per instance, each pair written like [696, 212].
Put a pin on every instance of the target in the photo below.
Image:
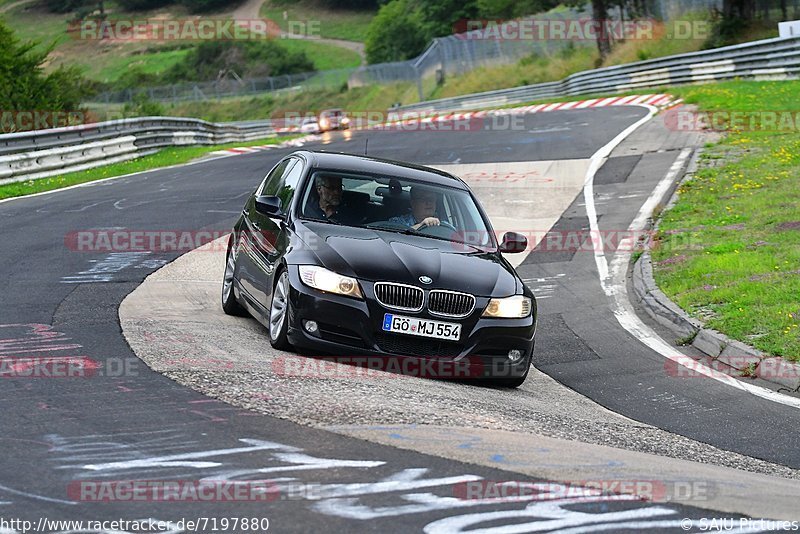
[380, 166]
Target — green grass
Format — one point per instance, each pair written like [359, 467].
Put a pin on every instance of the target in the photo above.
[324, 56]
[369, 98]
[329, 23]
[163, 158]
[729, 250]
[108, 65]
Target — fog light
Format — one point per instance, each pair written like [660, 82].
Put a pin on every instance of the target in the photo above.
[514, 355]
[310, 326]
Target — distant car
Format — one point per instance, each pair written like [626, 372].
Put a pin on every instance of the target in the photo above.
[333, 119]
[310, 125]
[360, 280]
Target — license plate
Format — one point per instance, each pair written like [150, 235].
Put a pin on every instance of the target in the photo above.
[421, 327]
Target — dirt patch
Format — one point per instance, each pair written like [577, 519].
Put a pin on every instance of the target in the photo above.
[789, 225]
[739, 226]
[673, 260]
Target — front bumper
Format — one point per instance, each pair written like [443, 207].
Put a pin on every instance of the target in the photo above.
[349, 327]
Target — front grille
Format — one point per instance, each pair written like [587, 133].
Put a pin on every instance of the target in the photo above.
[450, 303]
[414, 346]
[399, 296]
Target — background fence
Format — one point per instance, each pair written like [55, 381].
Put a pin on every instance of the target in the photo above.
[769, 59]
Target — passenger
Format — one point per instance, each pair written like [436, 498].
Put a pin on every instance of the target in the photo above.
[423, 210]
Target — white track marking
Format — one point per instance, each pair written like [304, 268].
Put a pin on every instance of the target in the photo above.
[613, 280]
[36, 497]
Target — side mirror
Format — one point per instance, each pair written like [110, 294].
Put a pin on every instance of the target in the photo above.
[269, 206]
[513, 242]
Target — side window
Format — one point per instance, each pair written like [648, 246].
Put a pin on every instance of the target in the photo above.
[288, 185]
[274, 175]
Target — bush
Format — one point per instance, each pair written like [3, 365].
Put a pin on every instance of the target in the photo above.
[133, 78]
[142, 106]
[248, 59]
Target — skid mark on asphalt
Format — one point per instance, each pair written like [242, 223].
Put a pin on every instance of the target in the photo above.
[107, 269]
[355, 485]
[544, 287]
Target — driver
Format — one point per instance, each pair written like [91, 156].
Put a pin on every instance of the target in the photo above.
[327, 206]
[423, 210]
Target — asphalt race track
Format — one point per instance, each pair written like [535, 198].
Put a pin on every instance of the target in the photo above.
[127, 422]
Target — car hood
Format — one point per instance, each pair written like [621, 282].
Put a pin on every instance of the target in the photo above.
[379, 255]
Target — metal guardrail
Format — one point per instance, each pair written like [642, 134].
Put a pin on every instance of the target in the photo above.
[43, 153]
[760, 60]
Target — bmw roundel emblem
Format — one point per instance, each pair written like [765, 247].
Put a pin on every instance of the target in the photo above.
[426, 279]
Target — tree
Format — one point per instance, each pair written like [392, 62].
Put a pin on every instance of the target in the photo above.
[396, 33]
[743, 10]
[440, 16]
[600, 16]
[200, 6]
[24, 86]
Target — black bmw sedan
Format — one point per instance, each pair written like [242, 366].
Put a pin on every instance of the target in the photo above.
[351, 255]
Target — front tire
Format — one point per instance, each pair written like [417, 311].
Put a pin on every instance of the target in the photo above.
[509, 382]
[230, 305]
[513, 381]
[280, 309]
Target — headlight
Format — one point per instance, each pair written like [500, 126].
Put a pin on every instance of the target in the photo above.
[328, 281]
[515, 307]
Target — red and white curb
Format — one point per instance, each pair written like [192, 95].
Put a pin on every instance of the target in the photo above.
[661, 101]
[300, 141]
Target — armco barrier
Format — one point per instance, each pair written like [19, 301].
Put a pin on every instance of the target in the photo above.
[42, 153]
[760, 60]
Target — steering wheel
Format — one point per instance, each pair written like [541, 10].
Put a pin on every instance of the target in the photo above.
[443, 231]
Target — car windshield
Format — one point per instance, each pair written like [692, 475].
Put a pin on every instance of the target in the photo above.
[395, 205]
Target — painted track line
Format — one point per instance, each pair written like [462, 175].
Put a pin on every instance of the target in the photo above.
[613, 280]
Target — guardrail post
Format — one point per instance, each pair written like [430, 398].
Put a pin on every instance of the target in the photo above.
[419, 84]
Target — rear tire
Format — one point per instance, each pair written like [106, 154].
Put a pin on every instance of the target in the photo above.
[230, 305]
[280, 309]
